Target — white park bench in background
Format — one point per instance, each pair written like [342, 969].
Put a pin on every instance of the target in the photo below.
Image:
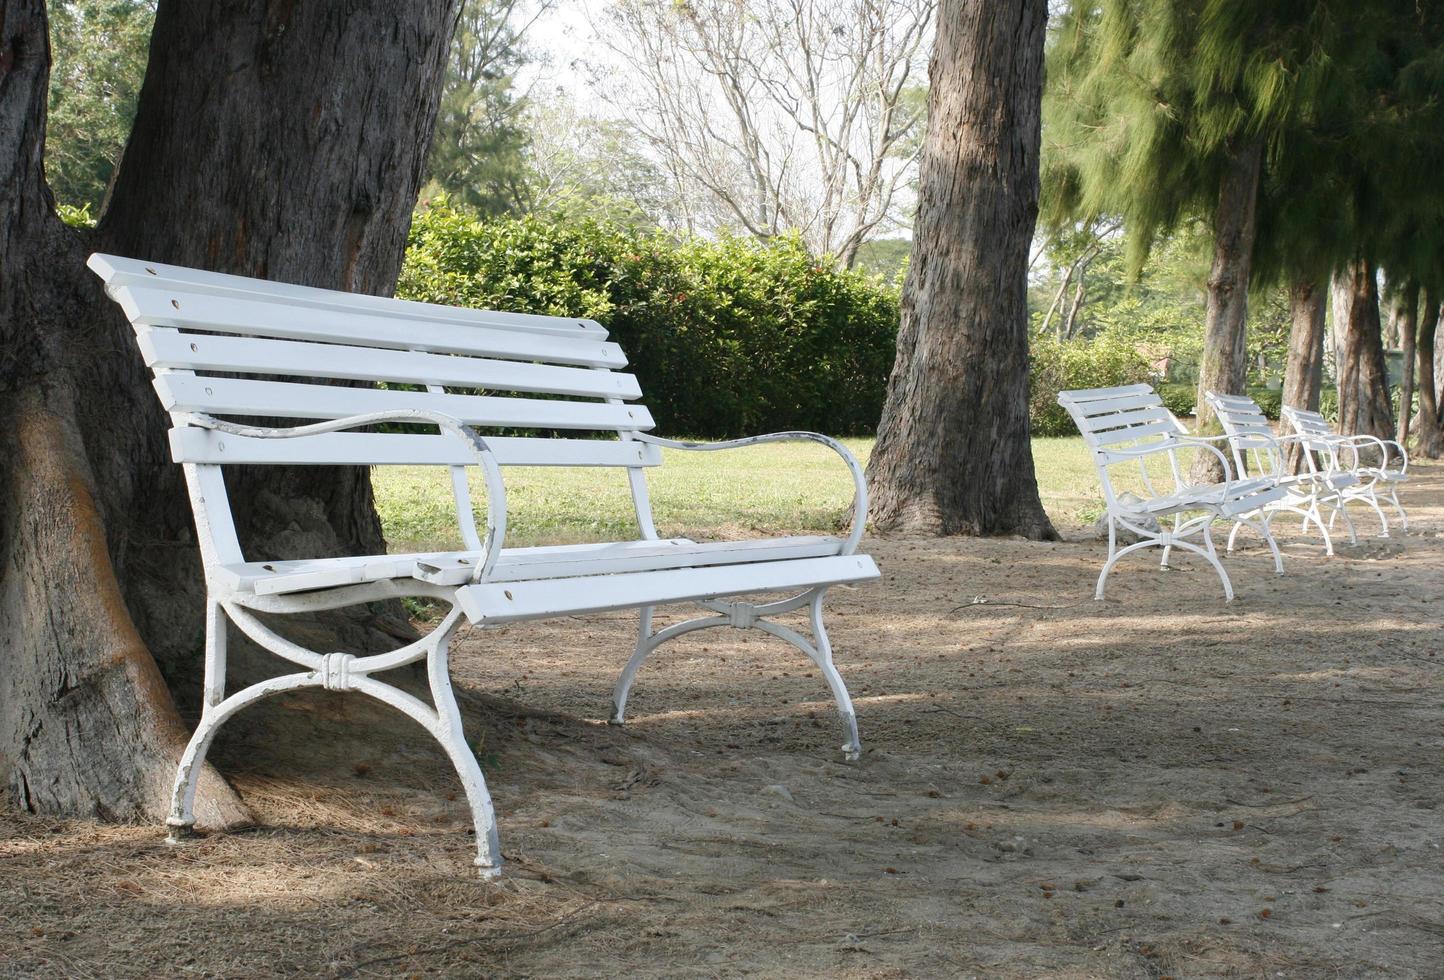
[1128, 426]
[216, 344]
[1256, 449]
[1378, 479]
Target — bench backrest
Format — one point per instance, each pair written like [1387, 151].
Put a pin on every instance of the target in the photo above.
[1313, 429]
[228, 346]
[1114, 420]
[1248, 430]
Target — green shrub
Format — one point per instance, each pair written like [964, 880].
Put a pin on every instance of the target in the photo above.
[1268, 399]
[727, 337]
[1181, 399]
[1064, 365]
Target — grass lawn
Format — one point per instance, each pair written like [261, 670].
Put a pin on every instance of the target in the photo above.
[761, 489]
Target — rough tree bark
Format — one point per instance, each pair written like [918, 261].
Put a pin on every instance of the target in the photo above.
[1406, 323]
[953, 454]
[1304, 372]
[272, 139]
[1429, 425]
[1364, 407]
[1224, 364]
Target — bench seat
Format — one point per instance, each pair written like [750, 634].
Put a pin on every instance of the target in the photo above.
[516, 564]
[1239, 497]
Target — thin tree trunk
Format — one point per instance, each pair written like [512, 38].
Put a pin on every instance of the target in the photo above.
[1304, 372]
[280, 140]
[1224, 365]
[1428, 426]
[1057, 300]
[1406, 320]
[953, 453]
[1364, 406]
[1341, 297]
[1079, 294]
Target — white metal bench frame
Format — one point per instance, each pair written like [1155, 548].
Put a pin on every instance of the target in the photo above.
[1129, 424]
[190, 323]
[1375, 484]
[1256, 448]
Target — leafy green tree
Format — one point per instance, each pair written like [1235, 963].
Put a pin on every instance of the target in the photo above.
[1163, 110]
[98, 48]
[477, 151]
[1300, 128]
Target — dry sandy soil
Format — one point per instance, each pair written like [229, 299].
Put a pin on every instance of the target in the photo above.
[1156, 785]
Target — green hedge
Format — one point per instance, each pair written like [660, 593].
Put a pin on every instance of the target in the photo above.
[1062, 365]
[726, 337]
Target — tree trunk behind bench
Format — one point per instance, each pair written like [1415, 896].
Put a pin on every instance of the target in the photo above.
[953, 454]
[278, 140]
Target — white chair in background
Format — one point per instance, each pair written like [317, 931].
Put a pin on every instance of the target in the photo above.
[1257, 449]
[1377, 480]
[1130, 425]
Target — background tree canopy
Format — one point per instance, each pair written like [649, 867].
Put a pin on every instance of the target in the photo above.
[1144, 100]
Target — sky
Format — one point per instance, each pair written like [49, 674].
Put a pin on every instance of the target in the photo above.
[562, 37]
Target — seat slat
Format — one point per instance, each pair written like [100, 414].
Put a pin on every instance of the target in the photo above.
[169, 349]
[194, 445]
[118, 272]
[511, 601]
[519, 564]
[284, 399]
[254, 317]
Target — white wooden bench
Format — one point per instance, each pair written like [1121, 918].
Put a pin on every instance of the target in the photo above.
[1130, 425]
[1377, 479]
[229, 346]
[1256, 448]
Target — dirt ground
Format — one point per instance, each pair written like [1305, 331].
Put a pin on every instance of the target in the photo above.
[1156, 785]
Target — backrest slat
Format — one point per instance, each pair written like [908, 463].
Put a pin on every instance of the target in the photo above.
[1129, 433]
[1079, 395]
[205, 446]
[169, 349]
[183, 392]
[263, 317]
[1098, 406]
[1117, 420]
[121, 272]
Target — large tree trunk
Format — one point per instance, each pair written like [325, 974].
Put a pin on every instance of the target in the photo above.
[953, 453]
[1428, 426]
[1406, 322]
[1304, 372]
[278, 140]
[1364, 406]
[1224, 365]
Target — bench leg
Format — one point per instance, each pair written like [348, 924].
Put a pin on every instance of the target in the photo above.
[1207, 552]
[745, 616]
[1393, 497]
[339, 672]
[1369, 498]
[1265, 531]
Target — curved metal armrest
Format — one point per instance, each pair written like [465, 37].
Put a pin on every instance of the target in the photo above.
[859, 479]
[1354, 441]
[1203, 442]
[1403, 454]
[485, 458]
[1161, 447]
